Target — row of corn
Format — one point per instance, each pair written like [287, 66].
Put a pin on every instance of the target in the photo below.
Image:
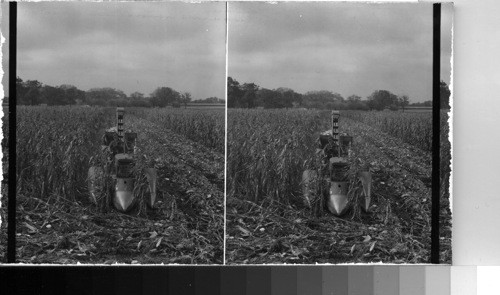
[268, 150]
[205, 126]
[54, 146]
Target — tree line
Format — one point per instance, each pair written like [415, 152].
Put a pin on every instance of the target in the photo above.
[33, 92]
[250, 95]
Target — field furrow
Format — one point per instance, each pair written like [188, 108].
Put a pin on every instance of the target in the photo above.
[186, 158]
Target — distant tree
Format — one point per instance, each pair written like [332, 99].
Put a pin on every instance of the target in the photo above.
[317, 99]
[283, 89]
[234, 93]
[214, 99]
[72, 94]
[444, 95]
[249, 98]
[427, 103]
[354, 98]
[20, 91]
[354, 102]
[289, 98]
[268, 98]
[381, 99]
[323, 99]
[211, 99]
[186, 98]
[164, 96]
[137, 99]
[137, 96]
[106, 96]
[28, 92]
[403, 101]
[338, 97]
[53, 96]
[32, 92]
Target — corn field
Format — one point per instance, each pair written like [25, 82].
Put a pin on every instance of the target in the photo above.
[57, 145]
[269, 149]
[267, 152]
[54, 146]
[205, 127]
[412, 128]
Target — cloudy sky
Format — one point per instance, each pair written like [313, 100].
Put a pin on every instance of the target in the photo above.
[128, 46]
[349, 48]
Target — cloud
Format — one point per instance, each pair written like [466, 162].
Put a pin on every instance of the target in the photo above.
[129, 46]
[350, 48]
[343, 47]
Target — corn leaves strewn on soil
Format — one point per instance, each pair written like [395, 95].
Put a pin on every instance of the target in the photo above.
[266, 221]
[56, 222]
